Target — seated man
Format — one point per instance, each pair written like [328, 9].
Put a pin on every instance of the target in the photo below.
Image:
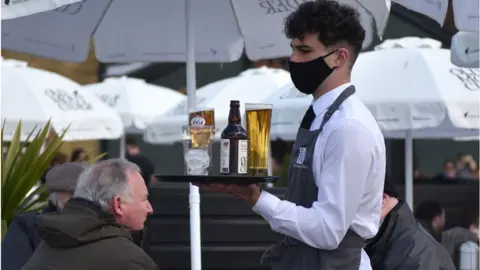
[22, 238]
[93, 230]
[401, 243]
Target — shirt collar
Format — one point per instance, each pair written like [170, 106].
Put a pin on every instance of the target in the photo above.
[323, 102]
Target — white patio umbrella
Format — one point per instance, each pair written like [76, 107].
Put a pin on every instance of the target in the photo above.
[251, 86]
[14, 8]
[409, 43]
[466, 13]
[64, 33]
[34, 96]
[412, 93]
[137, 102]
[418, 93]
[257, 25]
[466, 19]
[465, 49]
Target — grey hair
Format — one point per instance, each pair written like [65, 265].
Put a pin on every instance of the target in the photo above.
[105, 180]
[55, 199]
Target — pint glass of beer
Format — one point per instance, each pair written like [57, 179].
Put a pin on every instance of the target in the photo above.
[202, 117]
[258, 129]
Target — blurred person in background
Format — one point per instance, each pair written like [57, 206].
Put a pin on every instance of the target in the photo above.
[134, 155]
[59, 159]
[431, 215]
[401, 243]
[449, 170]
[467, 167]
[22, 238]
[93, 230]
[454, 239]
[79, 155]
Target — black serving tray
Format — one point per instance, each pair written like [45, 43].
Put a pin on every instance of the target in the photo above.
[217, 179]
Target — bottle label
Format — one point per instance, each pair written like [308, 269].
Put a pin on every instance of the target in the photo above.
[225, 156]
[242, 156]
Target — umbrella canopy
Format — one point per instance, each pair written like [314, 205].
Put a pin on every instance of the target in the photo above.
[419, 90]
[155, 30]
[466, 13]
[466, 19]
[136, 101]
[416, 90]
[251, 86]
[466, 49]
[14, 8]
[409, 43]
[34, 96]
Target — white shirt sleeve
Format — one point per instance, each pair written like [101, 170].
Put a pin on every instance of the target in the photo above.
[347, 159]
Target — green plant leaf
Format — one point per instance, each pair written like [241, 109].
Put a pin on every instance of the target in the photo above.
[97, 158]
[21, 172]
[40, 194]
[4, 228]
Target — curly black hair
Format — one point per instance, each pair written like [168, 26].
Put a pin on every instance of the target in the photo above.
[333, 22]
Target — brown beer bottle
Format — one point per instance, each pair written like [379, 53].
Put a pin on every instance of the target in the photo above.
[234, 144]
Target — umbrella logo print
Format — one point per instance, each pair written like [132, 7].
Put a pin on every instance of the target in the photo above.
[68, 102]
[470, 77]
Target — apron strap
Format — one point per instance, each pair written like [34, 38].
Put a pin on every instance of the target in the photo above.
[336, 104]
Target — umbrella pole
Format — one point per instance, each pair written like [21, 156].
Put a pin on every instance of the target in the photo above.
[409, 169]
[122, 146]
[194, 195]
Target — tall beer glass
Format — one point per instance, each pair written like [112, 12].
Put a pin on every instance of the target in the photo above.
[258, 129]
[202, 117]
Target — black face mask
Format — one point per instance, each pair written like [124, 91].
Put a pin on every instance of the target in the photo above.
[307, 76]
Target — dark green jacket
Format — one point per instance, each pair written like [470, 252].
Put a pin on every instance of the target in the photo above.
[83, 237]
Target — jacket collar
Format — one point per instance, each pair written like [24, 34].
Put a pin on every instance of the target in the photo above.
[400, 217]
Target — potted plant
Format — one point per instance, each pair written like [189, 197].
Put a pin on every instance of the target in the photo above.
[22, 167]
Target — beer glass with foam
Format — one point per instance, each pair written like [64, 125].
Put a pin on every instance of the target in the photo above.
[258, 117]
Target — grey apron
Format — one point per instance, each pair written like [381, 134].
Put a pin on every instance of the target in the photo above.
[292, 254]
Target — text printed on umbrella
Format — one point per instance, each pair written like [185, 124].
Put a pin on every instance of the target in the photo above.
[66, 101]
[71, 9]
[470, 77]
[110, 100]
[279, 6]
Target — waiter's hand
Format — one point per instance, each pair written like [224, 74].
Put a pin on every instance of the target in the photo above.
[249, 193]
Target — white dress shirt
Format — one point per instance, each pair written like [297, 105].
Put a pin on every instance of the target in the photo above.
[349, 163]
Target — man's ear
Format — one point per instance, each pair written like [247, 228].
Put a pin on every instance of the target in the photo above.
[117, 206]
[343, 56]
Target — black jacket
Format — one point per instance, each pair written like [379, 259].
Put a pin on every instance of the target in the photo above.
[21, 239]
[402, 244]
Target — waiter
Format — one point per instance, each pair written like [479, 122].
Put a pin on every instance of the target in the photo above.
[337, 165]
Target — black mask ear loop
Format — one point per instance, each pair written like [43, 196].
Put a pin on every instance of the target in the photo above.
[328, 54]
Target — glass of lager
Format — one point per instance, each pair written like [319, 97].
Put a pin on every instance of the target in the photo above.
[258, 129]
[202, 117]
[197, 149]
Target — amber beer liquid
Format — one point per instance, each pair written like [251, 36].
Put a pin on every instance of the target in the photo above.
[202, 117]
[258, 129]
[234, 144]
